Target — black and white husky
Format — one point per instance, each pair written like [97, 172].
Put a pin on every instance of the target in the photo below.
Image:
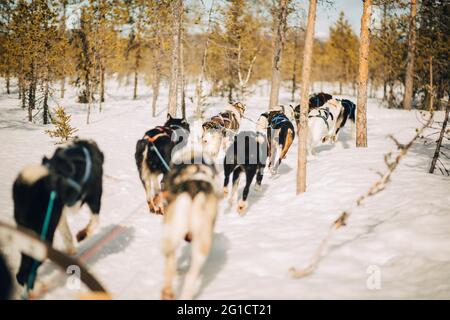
[247, 154]
[280, 135]
[323, 124]
[41, 192]
[154, 152]
[348, 113]
[192, 195]
[316, 100]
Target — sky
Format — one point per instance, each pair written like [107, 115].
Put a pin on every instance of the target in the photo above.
[327, 15]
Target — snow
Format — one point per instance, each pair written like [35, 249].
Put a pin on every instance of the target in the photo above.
[403, 231]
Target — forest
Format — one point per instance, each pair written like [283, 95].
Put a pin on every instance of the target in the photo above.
[48, 45]
[224, 149]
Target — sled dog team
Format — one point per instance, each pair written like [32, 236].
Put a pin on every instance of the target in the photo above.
[188, 194]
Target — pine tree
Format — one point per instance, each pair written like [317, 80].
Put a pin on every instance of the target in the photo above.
[342, 47]
[63, 129]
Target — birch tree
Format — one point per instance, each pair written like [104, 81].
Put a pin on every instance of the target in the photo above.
[177, 16]
[280, 16]
[361, 113]
[306, 73]
[410, 59]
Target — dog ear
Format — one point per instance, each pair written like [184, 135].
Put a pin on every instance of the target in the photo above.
[45, 160]
[183, 120]
[169, 116]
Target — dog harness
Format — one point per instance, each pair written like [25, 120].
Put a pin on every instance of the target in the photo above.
[69, 175]
[277, 120]
[163, 131]
[326, 114]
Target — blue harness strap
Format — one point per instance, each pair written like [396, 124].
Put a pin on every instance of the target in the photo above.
[277, 120]
[43, 236]
[160, 157]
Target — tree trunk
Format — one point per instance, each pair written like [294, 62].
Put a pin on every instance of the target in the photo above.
[280, 29]
[137, 64]
[182, 79]
[230, 93]
[7, 82]
[303, 123]
[63, 87]
[199, 87]
[407, 102]
[63, 35]
[177, 12]
[431, 87]
[102, 85]
[439, 142]
[361, 113]
[155, 89]
[45, 104]
[294, 67]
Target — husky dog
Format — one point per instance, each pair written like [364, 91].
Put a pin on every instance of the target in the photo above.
[316, 100]
[154, 152]
[181, 130]
[247, 154]
[223, 125]
[192, 195]
[322, 124]
[289, 111]
[41, 192]
[6, 284]
[280, 135]
[349, 113]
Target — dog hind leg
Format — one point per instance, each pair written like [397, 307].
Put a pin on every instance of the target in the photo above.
[66, 234]
[203, 214]
[259, 178]
[249, 175]
[236, 177]
[176, 223]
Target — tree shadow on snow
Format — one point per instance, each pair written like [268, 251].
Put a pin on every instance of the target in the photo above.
[215, 262]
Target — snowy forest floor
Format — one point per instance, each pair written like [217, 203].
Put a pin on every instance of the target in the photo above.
[404, 230]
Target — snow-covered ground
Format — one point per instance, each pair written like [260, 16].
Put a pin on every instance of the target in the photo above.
[403, 232]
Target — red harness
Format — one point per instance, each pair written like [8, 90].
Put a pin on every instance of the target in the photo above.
[163, 131]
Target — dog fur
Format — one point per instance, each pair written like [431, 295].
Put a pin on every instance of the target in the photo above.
[322, 124]
[280, 137]
[349, 113]
[316, 100]
[32, 188]
[191, 192]
[158, 143]
[247, 154]
[220, 129]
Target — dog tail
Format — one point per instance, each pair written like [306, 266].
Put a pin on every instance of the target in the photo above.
[287, 138]
[140, 148]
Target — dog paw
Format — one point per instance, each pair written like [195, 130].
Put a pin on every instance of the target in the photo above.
[258, 187]
[167, 294]
[151, 207]
[225, 191]
[242, 207]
